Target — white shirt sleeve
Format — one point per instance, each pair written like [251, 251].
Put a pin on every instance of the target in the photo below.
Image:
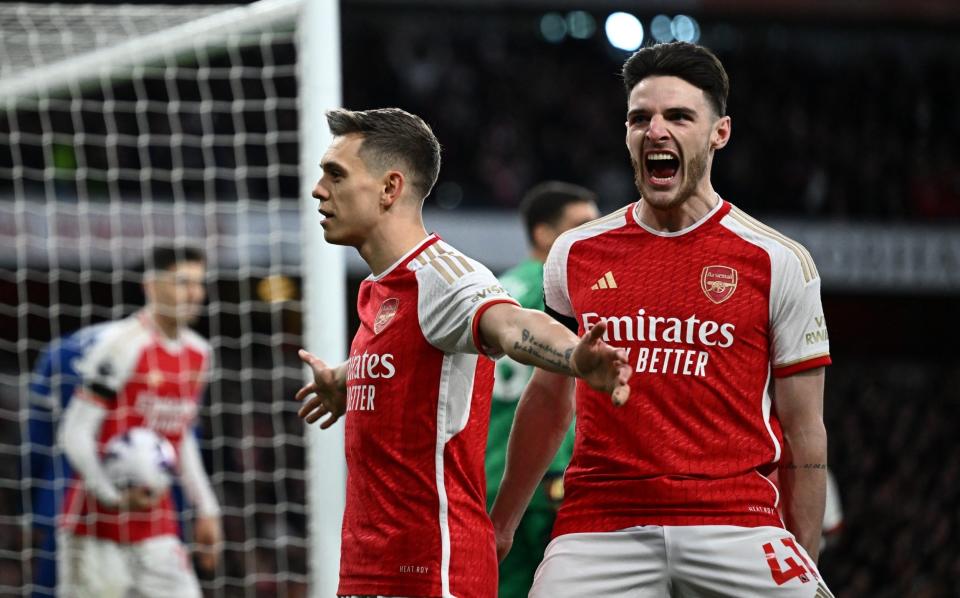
[196, 484]
[77, 436]
[798, 327]
[453, 291]
[108, 363]
[555, 294]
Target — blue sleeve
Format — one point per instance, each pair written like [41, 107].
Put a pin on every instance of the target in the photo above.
[40, 377]
[52, 383]
[40, 442]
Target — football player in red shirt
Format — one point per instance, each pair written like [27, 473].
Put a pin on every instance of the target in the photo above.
[147, 370]
[415, 390]
[721, 316]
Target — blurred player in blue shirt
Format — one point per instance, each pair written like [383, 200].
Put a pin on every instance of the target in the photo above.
[51, 387]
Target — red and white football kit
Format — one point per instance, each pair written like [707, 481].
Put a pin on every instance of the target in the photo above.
[708, 314]
[142, 379]
[418, 402]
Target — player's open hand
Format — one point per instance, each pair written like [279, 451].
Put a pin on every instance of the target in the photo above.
[326, 395]
[601, 366]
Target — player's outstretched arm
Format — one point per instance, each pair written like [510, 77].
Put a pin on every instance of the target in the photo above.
[803, 468]
[326, 395]
[540, 424]
[534, 338]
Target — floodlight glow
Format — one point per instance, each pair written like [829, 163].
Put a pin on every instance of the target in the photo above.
[553, 27]
[685, 29]
[660, 29]
[624, 31]
[581, 24]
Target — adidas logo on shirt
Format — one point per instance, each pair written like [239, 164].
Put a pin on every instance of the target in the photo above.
[606, 282]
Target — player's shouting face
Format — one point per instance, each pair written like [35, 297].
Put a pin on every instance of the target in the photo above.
[672, 132]
[348, 193]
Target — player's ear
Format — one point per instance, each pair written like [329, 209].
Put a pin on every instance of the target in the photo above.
[721, 133]
[393, 186]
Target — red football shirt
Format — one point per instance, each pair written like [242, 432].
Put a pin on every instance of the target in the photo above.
[708, 314]
[418, 407]
[146, 380]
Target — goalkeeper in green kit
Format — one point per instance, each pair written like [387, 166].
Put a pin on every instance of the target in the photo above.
[548, 210]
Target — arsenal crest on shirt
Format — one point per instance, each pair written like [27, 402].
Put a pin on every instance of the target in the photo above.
[718, 282]
[387, 310]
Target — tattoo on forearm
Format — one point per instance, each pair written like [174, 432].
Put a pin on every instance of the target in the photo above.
[804, 466]
[544, 352]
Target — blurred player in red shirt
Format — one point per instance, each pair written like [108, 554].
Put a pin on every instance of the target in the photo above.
[416, 387]
[148, 370]
[722, 321]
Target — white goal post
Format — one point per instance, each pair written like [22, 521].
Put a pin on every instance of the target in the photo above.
[123, 126]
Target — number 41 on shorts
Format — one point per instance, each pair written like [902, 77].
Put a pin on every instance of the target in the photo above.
[801, 569]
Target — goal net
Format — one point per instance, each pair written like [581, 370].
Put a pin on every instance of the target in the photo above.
[126, 126]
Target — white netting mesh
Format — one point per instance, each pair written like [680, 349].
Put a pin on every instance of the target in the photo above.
[39, 34]
[197, 144]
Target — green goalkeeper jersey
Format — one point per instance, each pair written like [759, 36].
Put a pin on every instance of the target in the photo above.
[524, 282]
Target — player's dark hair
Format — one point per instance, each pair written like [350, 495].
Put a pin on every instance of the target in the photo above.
[393, 137]
[545, 203]
[164, 257]
[695, 64]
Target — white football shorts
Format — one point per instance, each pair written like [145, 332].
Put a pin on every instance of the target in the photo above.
[703, 561]
[89, 567]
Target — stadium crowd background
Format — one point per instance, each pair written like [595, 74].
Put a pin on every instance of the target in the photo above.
[833, 120]
[836, 119]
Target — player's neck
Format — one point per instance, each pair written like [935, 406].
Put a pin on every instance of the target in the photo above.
[168, 327]
[390, 243]
[681, 216]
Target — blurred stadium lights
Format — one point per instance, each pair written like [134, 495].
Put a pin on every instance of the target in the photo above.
[578, 24]
[581, 24]
[681, 27]
[685, 29]
[553, 27]
[624, 31]
[277, 288]
[661, 29]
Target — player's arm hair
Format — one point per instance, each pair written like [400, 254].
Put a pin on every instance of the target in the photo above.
[803, 467]
[77, 436]
[528, 336]
[194, 477]
[541, 422]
